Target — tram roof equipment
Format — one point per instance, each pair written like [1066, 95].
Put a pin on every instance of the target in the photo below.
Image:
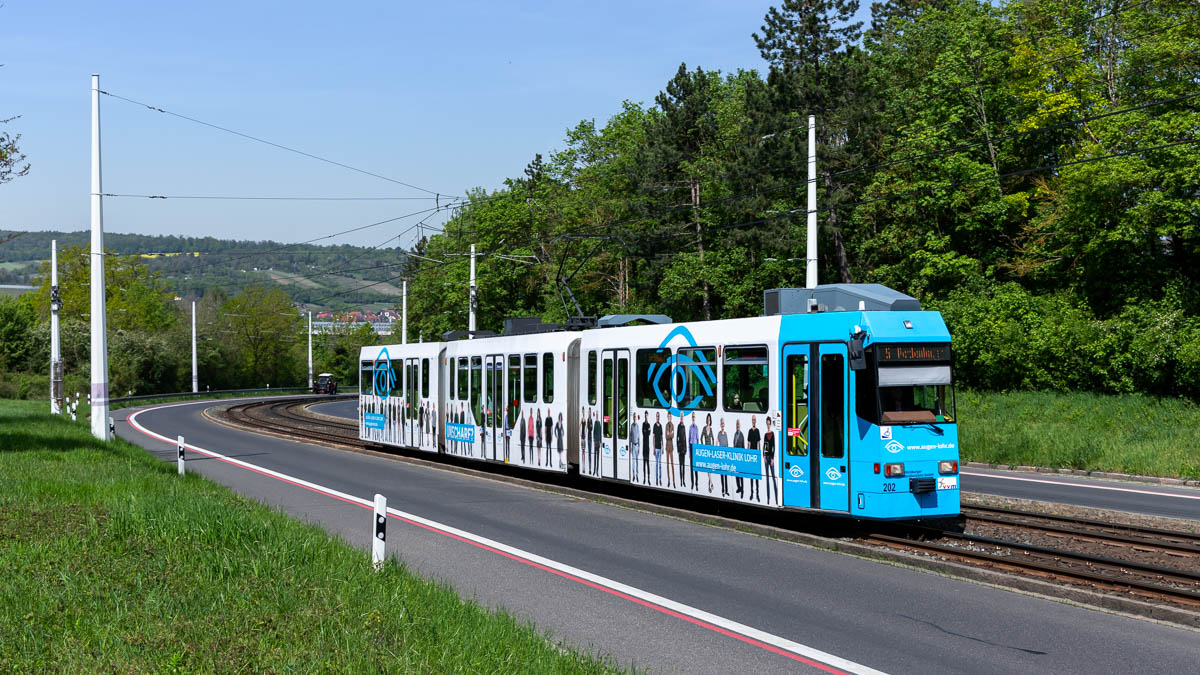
[837, 298]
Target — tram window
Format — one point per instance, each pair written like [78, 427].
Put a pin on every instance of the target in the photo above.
[395, 372]
[654, 377]
[531, 380]
[547, 378]
[366, 378]
[797, 403]
[917, 404]
[833, 406]
[424, 378]
[477, 388]
[462, 378]
[608, 396]
[698, 368]
[514, 389]
[410, 388]
[591, 378]
[745, 377]
[622, 397]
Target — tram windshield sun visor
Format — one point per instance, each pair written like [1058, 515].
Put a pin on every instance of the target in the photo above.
[914, 375]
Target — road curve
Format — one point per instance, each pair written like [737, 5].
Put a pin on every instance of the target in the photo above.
[660, 593]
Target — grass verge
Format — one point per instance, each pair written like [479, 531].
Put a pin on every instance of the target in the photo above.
[1095, 432]
[110, 562]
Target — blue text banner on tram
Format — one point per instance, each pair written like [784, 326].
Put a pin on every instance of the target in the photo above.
[719, 459]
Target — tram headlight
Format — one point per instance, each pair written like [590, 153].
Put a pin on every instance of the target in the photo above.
[893, 470]
[948, 466]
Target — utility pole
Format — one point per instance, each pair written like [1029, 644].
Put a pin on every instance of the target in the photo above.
[471, 300]
[99, 320]
[310, 349]
[56, 367]
[404, 315]
[811, 280]
[195, 373]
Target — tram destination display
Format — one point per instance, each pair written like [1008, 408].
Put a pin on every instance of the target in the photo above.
[912, 353]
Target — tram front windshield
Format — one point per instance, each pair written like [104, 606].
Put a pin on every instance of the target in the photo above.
[921, 395]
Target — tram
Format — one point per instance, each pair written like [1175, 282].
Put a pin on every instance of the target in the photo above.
[839, 399]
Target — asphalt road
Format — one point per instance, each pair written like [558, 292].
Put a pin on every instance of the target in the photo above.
[664, 594]
[1159, 500]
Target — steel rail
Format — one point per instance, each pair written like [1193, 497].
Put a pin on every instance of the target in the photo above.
[1144, 589]
[1170, 540]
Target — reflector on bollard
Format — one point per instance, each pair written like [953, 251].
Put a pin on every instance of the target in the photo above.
[179, 448]
[380, 538]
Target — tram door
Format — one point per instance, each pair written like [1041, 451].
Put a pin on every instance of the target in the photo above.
[614, 448]
[494, 405]
[831, 440]
[794, 464]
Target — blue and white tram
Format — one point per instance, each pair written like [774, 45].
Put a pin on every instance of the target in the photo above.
[846, 408]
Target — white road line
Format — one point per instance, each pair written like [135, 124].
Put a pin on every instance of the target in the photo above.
[1081, 485]
[775, 641]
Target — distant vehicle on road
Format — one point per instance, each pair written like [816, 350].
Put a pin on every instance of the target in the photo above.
[325, 384]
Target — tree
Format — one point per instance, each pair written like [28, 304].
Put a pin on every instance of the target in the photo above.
[135, 297]
[11, 156]
[267, 331]
[817, 69]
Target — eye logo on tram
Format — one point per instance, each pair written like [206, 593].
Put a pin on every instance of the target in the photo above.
[384, 378]
[684, 368]
[894, 446]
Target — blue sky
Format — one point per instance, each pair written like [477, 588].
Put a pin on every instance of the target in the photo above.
[442, 95]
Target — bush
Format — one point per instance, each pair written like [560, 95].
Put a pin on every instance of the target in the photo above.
[1006, 338]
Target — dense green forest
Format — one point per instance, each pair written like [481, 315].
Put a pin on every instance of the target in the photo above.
[1027, 167]
[318, 277]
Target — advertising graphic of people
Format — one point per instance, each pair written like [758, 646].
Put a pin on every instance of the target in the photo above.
[752, 440]
[670, 439]
[646, 448]
[681, 448]
[634, 437]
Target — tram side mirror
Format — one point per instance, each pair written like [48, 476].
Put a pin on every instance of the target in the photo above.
[858, 356]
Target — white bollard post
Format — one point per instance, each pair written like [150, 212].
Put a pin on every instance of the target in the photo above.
[73, 407]
[112, 426]
[378, 549]
[179, 449]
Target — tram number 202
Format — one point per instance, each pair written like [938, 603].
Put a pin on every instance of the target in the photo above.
[889, 487]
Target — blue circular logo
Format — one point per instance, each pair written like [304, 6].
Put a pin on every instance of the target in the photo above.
[384, 377]
[683, 366]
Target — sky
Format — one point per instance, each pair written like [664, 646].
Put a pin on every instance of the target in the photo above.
[444, 96]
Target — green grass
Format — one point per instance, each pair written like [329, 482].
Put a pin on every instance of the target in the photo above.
[111, 562]
[1124, 434]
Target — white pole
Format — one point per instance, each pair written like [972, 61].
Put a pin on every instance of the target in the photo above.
[404, 316]
[99, 395]
[471, 299]
[811, 281]
[180, 460]
[310, 350]
[195, 373]
[378, 543]
[55, 350]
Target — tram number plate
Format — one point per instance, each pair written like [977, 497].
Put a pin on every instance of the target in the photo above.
[947, 483]
[889, 487]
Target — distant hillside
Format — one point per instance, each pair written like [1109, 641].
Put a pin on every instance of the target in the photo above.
[322, 277]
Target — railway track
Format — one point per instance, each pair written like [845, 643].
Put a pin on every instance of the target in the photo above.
[1149, 564]
[280, 417]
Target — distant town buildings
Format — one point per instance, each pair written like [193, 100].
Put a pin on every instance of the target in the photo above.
[381, 322]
